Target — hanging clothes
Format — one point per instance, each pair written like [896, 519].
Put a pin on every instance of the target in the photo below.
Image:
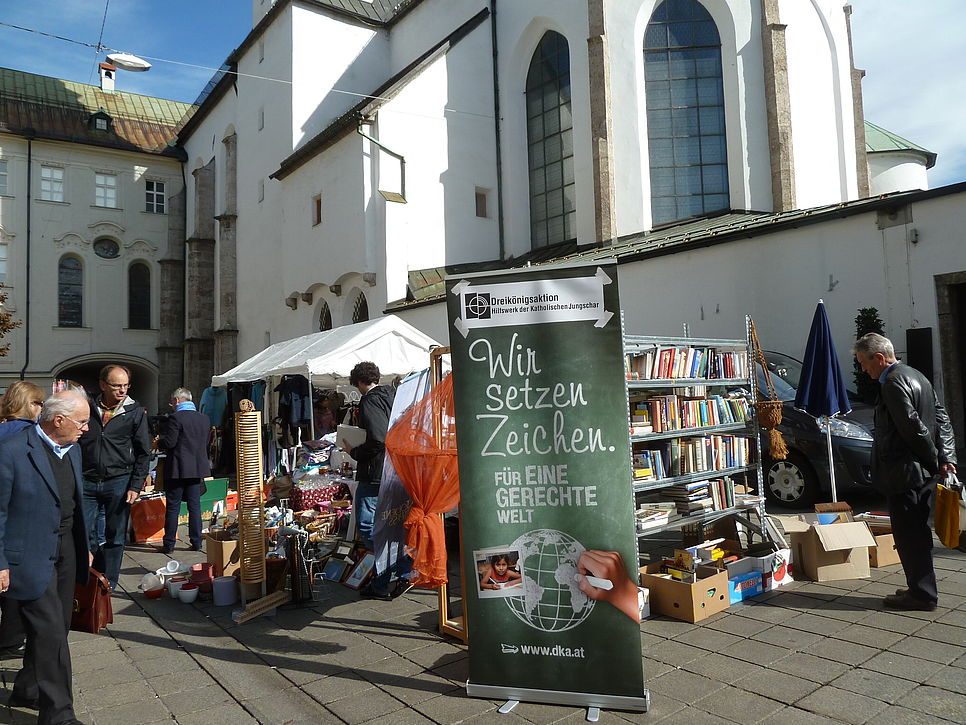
[214, 401]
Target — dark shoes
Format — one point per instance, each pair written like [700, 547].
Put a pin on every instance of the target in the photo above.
[906, 601]
[368, 592]
[167, 549]
[402, 586]
[195, 547]
[24, 702]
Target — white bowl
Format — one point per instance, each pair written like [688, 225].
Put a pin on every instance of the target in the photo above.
[188, 595]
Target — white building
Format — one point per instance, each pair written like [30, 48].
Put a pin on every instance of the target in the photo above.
[90, 212]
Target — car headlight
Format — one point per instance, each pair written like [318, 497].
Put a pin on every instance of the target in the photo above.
[844, 429]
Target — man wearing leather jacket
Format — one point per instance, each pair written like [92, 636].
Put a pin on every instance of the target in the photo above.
[913, 443]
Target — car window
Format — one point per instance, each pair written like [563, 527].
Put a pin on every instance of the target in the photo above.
[790, 370]
[783, 390]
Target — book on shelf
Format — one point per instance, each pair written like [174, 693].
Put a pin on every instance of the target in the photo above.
[673, 412]
[672, 362]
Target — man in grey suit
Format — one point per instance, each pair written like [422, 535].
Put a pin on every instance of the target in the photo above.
[43, 549]
[913, 443]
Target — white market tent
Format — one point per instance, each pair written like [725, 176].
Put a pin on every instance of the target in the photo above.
[326, 358]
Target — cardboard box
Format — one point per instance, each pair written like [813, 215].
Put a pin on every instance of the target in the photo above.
[690, 602]
[884, 552]
[223, 553]
[829, 552]
[744, 586]
[775, 567]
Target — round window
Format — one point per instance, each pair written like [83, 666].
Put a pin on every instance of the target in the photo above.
[106, 248]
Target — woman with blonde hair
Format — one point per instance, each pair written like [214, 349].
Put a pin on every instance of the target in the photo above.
[20, 407]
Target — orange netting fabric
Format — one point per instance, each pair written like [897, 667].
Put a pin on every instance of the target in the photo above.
[422, 447]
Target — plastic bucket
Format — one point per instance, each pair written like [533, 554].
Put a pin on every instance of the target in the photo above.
[224, 591]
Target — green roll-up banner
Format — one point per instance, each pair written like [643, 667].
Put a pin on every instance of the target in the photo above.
[549, 543]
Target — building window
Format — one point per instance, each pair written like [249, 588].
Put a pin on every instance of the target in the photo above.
[685, 112]
[481, 203]
[106, 248]
[100, 124]
[316, 209]
[3, 263]
[154, 197]
[139, 296]
[105, 190]
[3, 178]
[52, 183]
[261, 190]
[550, 143]
[325, 317]
[70, 292]
[360, 310]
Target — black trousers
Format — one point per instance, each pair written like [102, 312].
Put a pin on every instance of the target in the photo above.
[46, 673]
[12, 633]
[909, 512]
[177, 490]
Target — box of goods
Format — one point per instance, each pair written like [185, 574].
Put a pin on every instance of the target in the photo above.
[305, 495]
[223, 553]
[692, 601]
[147, 519]
[773, 563]
[828, 551]
[215, 490]
[744, 586]
[884, 552]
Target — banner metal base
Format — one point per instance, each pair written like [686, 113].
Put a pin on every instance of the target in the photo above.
[559, 697]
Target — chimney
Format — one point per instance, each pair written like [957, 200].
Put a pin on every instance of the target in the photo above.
[107, 72]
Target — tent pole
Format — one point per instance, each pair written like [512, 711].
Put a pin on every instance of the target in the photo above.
[312, 406]
[831, 462]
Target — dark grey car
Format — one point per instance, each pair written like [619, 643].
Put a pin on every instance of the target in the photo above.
[803, 477]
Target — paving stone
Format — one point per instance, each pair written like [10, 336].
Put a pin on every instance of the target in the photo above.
[759, 653]
[457, 672]
[869, 636]
[955, 617]
[407, 681]
[874, 684]
[287, 707]
[655, 668]
[718, 667]
[229, 712]
[173, 682]
[661, 706]
[767, 613]
[948, 678]
[794, 716]
[938, 702]
[708, 639]
[777, 686]
[848, 609]
[842, 705]
[541, 714]
[893, 622]
[115, 675]
[145, 711]
[435, 655]
[787, 637]
[737, 705]
[927, 649]
[948, 633]
[166, 664]
[810, 667]
[666, 627]
[446, 708]
[688, 716]
[675, 653]
[98, 661]
[840, 651]
[201, 698]
[678, 683]
[741, 626]
[895, 715]
[816, 624]
[901, 665]
[817, 590]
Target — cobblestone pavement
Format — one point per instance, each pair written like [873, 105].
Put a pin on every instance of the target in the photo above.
[807, 653]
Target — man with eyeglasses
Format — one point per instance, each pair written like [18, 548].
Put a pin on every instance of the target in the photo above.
[43, 549]
[117, 454]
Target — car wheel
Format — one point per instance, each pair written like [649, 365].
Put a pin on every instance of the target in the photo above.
[790, 482]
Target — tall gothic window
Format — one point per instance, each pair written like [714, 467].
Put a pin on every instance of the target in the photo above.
[685, 112]
[550, 144]
[139, 296]
[360, 310]
[325, 317]
[70, 292]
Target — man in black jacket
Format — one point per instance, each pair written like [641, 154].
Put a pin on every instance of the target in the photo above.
[913, 443]
[116, 450]
[374, 409]
[184, 437]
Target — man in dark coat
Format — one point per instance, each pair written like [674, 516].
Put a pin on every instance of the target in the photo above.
[374, 409]
[913, 443]
[43, 549]
[116, 450]
[184, 438]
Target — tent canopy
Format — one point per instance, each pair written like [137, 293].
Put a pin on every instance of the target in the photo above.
[394, 345]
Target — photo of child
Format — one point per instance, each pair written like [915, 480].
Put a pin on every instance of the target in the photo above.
[498, 573]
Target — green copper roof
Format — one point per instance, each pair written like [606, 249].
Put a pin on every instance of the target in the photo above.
[878, 140]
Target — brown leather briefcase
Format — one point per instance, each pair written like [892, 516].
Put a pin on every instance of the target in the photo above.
[92, 604]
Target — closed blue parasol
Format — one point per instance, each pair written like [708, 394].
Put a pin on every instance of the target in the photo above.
[821, 389]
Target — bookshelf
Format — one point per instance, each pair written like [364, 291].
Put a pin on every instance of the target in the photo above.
[693, 428]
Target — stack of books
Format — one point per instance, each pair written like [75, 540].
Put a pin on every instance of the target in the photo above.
[691, 498]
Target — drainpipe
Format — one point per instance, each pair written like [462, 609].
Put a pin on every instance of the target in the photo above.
[400, 157]
[496, 132]
[30, 135]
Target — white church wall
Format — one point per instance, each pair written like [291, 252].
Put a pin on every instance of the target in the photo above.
[820, 94]
[430, 22]
[896, 171]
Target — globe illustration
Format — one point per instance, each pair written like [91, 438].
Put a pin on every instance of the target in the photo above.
[550, 599]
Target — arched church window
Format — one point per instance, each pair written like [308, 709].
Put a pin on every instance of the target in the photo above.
[685, 112]
[550, 144]
[139, 296]
[360, 310]
[325, 317]
[70, 292]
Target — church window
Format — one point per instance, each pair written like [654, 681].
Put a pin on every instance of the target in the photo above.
[325, 317]
[550, 144]
[685, 112]
[139, 296]
[360, 310]
[70, 292]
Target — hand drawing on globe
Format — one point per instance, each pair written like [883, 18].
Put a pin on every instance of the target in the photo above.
[608, 566]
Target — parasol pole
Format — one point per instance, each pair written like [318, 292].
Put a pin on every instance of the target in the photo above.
[831, 462]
